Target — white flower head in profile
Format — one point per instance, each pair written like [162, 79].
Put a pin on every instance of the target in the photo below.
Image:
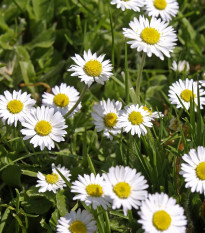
[181, 66]
[128, 4]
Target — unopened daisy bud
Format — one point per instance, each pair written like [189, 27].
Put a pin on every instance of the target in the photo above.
[105, 115]
[125, 187]
[135, 119]
[63, 99]
[181, 66]
[91, 68]
[43, 126]
[128, 4]
[77, 222]
[154, 37]
[15, 106]
[160, 213]
[53, 182]
[90, 189]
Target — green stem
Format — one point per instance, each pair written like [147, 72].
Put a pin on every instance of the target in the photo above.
[113, 39]
[138, 81]
[108, 230]
[76, 104]
[126, 77]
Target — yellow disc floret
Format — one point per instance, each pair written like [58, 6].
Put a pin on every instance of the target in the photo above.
[150, 35]
[93, 68]
[160, 4]
[78, 227]
[43, 128]
[15, 106]
[200, 171]
[135, 118]
[161, 220]
[110, 120]
[186, 95]
[52, 178]
[94, 190]
[147, 109]
[61, 100]
[122, 190]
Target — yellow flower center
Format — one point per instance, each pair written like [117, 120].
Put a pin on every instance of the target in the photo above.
[122, 190]
[147, 109]
[110, 119]
[186, 95]
[93, 68]
[43, 128]
[94, 190]
[52, 178]
[61, 100]
[135, 118]
[15, 106]
[161, 220]
[160, 4]
[150, 35]
[200, 171]
[78, 227]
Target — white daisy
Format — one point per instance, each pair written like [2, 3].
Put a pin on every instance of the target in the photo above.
[154, 37]
[53, 181]
[44, 127]
[77, 222]
[15, 106]
[160, 213]
[153, 115]
[128, 4]
[125, 187]
[166, 9]
[90, 189]
[91, 68]
[184, 91]
[105, 115]
[181, 66]
[193, 169]
[135, 119]
[63, 99]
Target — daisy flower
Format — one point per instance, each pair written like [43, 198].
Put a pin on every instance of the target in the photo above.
[91, 68]
[125, 187]
[160, 213]
[63, 99]
[193, 169]
[90, 189]
[105, 115]
[153, 115]
[135, 119]
[166, 9]
[44, 127]
[154, 37]
[128, 4]
[185, 90]
[174, 124]
[181, 66]
[15, 106]
[53, 181]
[77, 222]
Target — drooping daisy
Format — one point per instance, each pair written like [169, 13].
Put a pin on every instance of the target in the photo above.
[154, 37]
[135, 119]
[193, 169]
[160, 213]
[128, 4]
[63, 99]
[44, 127]
[166, 9]
[91, 68]
[105, 115]
[90, 189]
[53, 182]
[185, 90]
[77, 222]
[181, 66]
[153, 115]
[125, 187]
[15, 106]
[175, 124]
